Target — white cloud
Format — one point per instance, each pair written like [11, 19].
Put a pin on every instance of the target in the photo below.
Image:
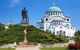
[14, 2]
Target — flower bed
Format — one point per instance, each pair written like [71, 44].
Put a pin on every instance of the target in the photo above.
[74, 46]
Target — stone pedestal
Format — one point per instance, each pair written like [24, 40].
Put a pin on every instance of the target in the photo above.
[25, 42]
[25, 39]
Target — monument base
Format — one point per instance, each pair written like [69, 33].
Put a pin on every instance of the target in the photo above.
[24, 43]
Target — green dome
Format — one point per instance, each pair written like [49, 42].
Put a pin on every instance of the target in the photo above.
[54, 8]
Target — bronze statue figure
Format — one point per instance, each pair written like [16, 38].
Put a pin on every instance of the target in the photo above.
[24, 12]
[25, 18]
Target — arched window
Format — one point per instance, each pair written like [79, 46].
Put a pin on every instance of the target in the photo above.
[46, 19]
[57, 22]
[47, 13]
[64, 33]
[67, 19]
[53, 23]
[67, 24]
[52, 27]
[60, 27]
[60, 33]
[55, 13]
[59, 13]
[51, 13]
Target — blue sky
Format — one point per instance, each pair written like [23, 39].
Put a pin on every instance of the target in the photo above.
[10, 10]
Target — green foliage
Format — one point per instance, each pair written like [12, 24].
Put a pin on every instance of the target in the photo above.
[62, 39]
[15, 33]
[16, 27]
[1, 27]
[77, 37]
[39, 36]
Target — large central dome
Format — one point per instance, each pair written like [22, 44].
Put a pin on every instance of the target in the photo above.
[54, 8]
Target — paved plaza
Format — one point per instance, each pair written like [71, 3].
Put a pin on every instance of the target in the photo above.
[28, 48]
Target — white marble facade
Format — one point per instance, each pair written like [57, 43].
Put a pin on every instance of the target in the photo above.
[56, 22]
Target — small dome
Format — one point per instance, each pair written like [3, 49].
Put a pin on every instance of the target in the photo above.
[54, 8]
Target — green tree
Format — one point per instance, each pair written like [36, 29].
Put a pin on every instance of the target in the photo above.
[2, 27]
[77, 37]
[39, 36]
[13, 34]
[18, 32]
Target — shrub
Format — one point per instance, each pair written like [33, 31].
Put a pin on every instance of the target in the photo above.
[74, 46]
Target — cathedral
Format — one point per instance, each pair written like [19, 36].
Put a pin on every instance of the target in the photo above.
[56, 22]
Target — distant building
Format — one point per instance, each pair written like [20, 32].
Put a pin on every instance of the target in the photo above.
[56, 22]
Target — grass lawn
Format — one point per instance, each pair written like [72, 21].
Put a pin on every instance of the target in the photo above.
[56, 48]
[7, 48]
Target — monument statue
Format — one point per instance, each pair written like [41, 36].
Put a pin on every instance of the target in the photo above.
[24, 12]
[25, 24]
[25, 18]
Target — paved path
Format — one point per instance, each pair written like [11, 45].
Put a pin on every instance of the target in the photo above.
[28, 48]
